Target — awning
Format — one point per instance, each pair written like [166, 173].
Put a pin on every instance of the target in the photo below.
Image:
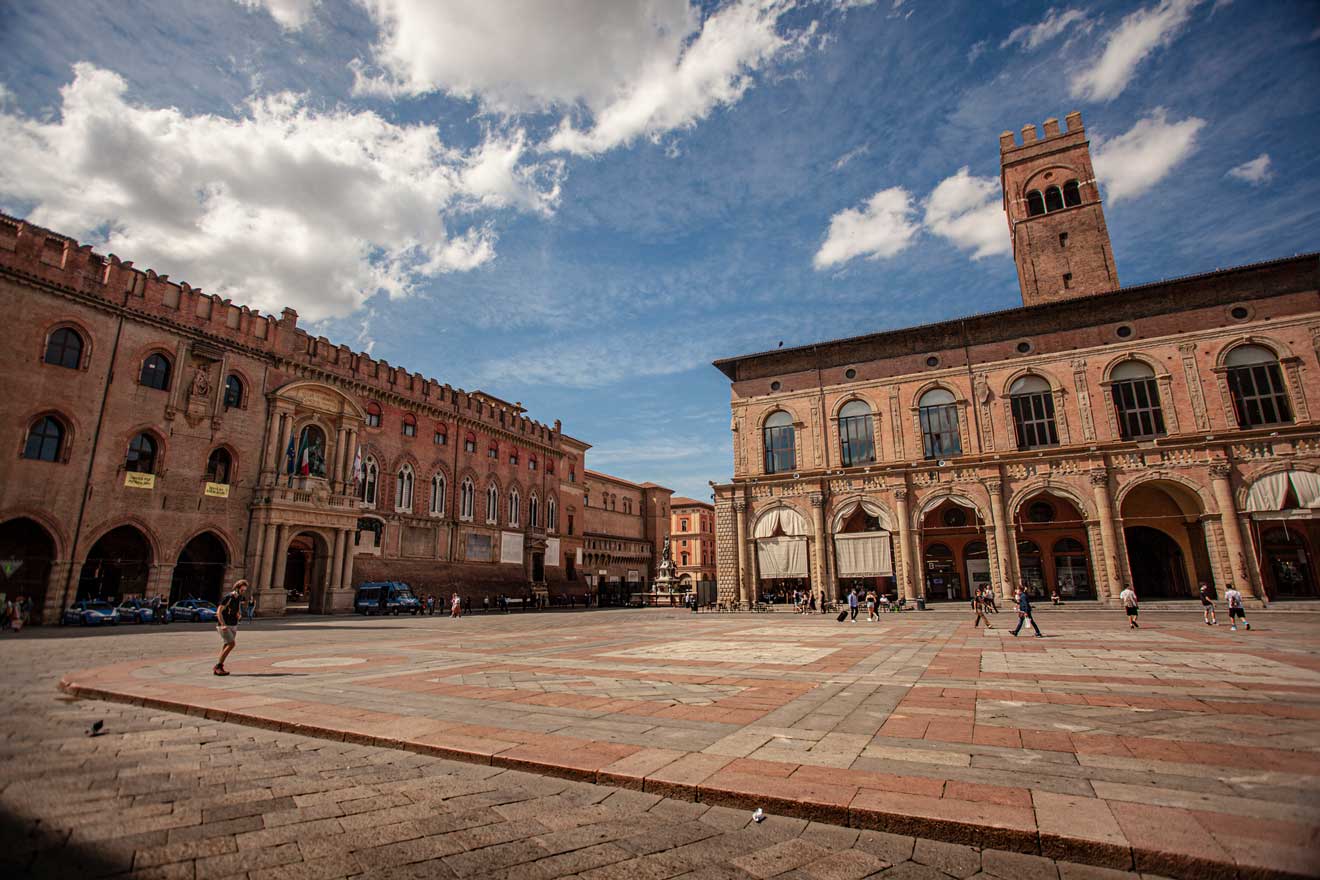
[849, 508]
[782, 557]
[785, 518]
[1267, 493]
[864, 554]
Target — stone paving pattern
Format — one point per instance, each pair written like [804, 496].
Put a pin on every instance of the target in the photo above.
[1179, 749]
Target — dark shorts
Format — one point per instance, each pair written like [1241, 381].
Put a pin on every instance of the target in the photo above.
[1131, 612]
[1206, 602]
[1237, 612]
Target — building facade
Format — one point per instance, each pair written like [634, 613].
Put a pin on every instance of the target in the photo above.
[166, 442]
[1159, 436]
[692, 531]
[625, 531]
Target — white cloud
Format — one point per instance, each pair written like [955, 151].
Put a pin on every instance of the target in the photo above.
[617, 70]
[289, 14]
[977, 50]
[879, 229]
[1133, 162]
[283, 205]
[1138, 35]
[1033, 36]
[969, 212]
[1254, 172]
[854, 153]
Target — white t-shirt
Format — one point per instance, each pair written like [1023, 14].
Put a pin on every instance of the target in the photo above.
[1234, 598]
[1129, 598]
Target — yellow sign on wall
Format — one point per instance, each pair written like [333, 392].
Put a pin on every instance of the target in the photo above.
[217, 490]
[134, 480]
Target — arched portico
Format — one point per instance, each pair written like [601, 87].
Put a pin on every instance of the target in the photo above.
[780, 535]
[28, 553]
[1283, 508]
[1163, 523]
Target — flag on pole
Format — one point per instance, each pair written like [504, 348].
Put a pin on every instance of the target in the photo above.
[357, 466]
[305, 461]
[295, 458]
[288, 458]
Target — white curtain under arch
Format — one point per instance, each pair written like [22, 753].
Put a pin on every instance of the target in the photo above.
[785, 518]
[782, 557]
[864, 554]
[875, 510]
[1267, 493]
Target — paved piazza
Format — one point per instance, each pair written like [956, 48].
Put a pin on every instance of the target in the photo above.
[1178, 749]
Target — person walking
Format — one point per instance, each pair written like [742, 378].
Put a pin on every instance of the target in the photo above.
[1236, 611]
[1129, 599]
[852, 605]
[978, 606]
[1208, 605]
[455, 609]
[226, 623]
[1024, 614]
[870, 606]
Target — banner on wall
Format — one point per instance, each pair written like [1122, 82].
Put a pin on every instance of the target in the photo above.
[634, 576]
[579, 556]
[864, 554]
[134, 480]
[217, 490]
[511, 547]
[478, 547]
[552, 552]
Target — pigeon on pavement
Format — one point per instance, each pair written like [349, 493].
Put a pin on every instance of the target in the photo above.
[95, 729]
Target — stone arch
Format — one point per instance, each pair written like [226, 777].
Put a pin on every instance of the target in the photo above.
[1280, 348]
[57, 534]
[845, 506]
[1055, 385]
[99, 532]
[221, 533]
[939, 496]
[1159, 370]
[234, 458]
[318, 396]
[249, 388]
[1037, 180]
[112, 569]
[197, 576]
[841, 403]
[1205, 504]
[1084, 505]
[958, 396]
[88, 341]
[162, 444]
[1241, 493]
[70, 427]
[771, 410]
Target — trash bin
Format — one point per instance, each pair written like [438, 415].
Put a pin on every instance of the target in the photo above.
[921, 603]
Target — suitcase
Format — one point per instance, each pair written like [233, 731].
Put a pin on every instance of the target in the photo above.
[843, 615]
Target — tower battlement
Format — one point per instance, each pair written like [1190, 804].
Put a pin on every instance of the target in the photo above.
[1008, 141]
[42, 256]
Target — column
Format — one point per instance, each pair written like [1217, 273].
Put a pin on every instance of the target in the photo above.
[346, 575]
[266, 574]
[281, 557]
[820, 575]
[350, 453]
[336, 473]
[1228, 520]
[740, 510]
[1005, 544]
[907, 569]
[277, 441]
[335, 570]
[1110, 581]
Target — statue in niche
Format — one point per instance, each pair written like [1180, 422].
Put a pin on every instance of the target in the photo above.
[201, 383]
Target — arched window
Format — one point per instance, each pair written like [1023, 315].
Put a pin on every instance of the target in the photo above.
[627, 505]
[373, 415]
[614, 502]
[467, 500]
[572, 474]
[513, 457]
[551, 515]
[493, 451]
[534, 511]
[492, 504]
[470, 442]
[311, 452]
[1035, 203]
[1072, 194]
[856, 434]
[515, 507]
[1256, 381]
[403, 489]
[937, 410]
[233, 392]
[141, 455]
[219, 465]
[777, 435]
[155, 372]
[438, 490]
[1033, 412]
[531, 462]
[441, 435]
[1053, 199]
[409, 425]
[550, 466]
[45, 440]
[64, 348]
[1136, 401]
[370, 480]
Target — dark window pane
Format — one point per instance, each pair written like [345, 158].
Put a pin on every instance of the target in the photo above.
[64, 348]
[233, 392]
[1053, 199]
[939, 431]
[156, 372]
[1035, 203]
[857, 441]
[1072, 194]
[1259, 395]
[141, 455]
[44, 440]
[779, 450]
[1033, 419]
[1137, 405]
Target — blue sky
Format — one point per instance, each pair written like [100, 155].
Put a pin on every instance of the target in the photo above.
[580, 205]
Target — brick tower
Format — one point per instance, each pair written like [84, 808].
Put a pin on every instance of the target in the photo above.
[1060, 242]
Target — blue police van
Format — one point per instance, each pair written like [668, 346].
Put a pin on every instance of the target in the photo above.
[386, 597]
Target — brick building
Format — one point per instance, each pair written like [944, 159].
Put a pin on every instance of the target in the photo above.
[151, 429]
[1158, 435]
[692, 530]
[625, 528]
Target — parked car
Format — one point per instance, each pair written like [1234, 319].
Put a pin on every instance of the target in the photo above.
[194, 610]
[91, 612]
[386, 597]
[136, 611]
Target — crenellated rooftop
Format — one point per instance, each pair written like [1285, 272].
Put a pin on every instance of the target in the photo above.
[43, 256]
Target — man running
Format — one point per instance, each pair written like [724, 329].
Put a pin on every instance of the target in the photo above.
[226, 622]
[1208, 605]
[1024, 614]
[1235, 610]
[1129, 600]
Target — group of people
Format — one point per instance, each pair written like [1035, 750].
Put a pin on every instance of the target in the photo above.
[876, 603]
[983, 605]
[15, 612]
